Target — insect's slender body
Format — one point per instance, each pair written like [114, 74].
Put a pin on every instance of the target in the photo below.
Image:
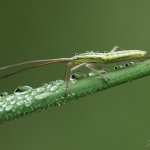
[84, 59]
[92, 57]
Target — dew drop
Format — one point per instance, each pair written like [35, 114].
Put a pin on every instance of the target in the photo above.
[72, 77]
[77, 75]
[56, 85]
[20, 102]
[3, 94]
[73, 94]
[49, 85]
[29, 98]
[4, 105]
[1, 109]
[1, 103]
[92, 53]
[68, 95]
[27, 103]
[42, 96]
[132, 63]
[12, 102]
[20, 97]
[10, 98]
[40, 89]
[9, 107]
[91, 74]
[59, 104]
[74, 81]
[62, 97]
[54, 88]
[120, 66]
[126, 64]
[60, 81]
[116, 67]
[25, 96]
[13, 109]
[44, 84]
[33, 93]
[22, 89]
[106, 69]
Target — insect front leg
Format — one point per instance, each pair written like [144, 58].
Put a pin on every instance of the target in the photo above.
[69, 70]
[67, 76]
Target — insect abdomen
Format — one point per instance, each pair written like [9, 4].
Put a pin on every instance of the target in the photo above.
[123, 54]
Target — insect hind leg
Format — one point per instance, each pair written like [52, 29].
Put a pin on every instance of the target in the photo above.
[89, 66]
[69, 70]
[77, 67]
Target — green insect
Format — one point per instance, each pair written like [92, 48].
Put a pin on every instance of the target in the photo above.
[88, 59]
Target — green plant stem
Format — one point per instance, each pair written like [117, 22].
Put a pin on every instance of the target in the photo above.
[53, 94]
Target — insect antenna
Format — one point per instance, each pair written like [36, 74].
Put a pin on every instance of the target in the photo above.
[33, 63]
[25, 69]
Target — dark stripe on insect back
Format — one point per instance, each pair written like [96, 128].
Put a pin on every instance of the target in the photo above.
[95, 60]
[88, 60]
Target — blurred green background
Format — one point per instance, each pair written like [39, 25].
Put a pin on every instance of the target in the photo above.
[115, 119]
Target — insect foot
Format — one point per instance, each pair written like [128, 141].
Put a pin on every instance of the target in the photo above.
[66, 92]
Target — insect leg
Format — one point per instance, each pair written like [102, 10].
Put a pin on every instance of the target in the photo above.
[68, 73]
[116, 48]
[69, 70]
[67, 76]
[78, 66]
[89, 66]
